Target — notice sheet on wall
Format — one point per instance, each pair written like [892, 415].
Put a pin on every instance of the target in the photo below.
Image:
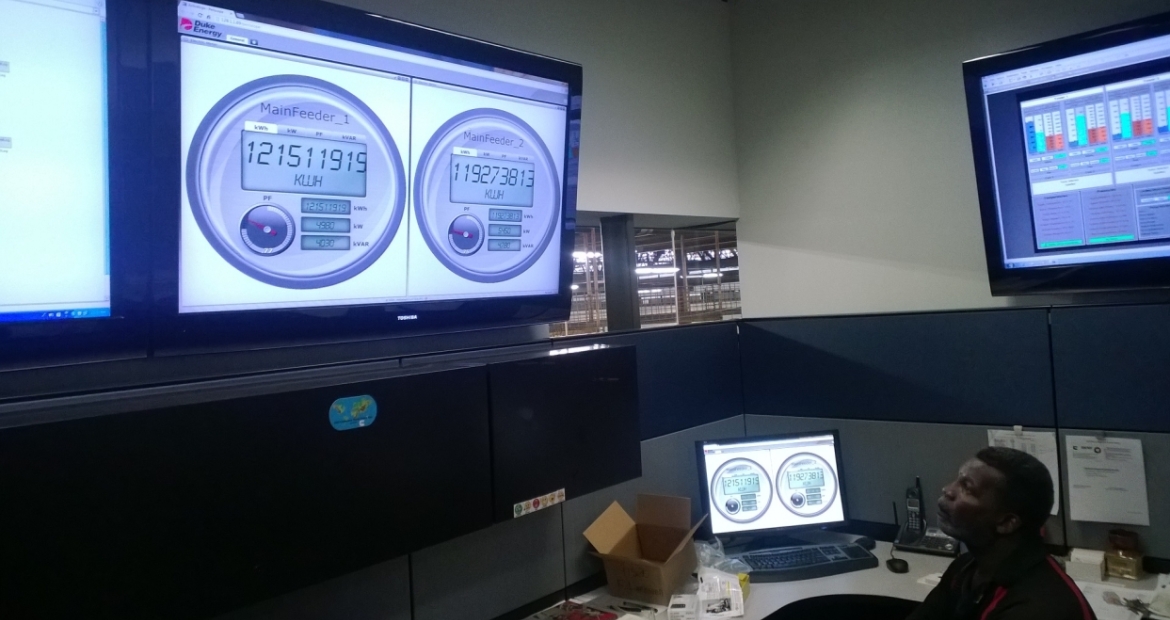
[1107, 480]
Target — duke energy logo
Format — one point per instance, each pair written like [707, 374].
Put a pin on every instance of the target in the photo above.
[197, 26]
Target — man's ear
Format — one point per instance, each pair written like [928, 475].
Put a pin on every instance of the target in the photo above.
[1008, 524]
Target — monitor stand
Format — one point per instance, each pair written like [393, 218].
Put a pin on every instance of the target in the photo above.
[737, 545]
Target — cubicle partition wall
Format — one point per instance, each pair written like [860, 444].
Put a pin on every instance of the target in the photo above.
[1112, 368]
[914, 394]
[911, 394]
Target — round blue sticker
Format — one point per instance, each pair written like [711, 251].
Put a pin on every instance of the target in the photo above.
[353, 412]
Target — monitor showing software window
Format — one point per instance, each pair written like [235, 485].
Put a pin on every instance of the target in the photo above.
[324, 170]
[54, 170]
[1072, 158]
[775, 483]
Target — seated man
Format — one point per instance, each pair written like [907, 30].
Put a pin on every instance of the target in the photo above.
[997, 506]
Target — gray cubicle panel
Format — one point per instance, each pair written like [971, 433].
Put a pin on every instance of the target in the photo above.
[687, 376]
[880, 460]
[1155, 538]
[1112, 367]
[380, 592]
[955, 367]
[490, 572]
[192, 510]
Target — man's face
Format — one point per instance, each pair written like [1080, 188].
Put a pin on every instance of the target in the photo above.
[969, 507]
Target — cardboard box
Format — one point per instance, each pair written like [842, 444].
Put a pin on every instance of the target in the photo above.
[649, 557]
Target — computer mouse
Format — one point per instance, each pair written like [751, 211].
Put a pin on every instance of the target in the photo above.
[898, 565]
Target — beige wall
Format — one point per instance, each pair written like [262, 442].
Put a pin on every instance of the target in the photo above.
[856, 181]
[657, 127]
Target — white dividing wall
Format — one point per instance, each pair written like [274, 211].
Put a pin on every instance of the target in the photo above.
[856, 181]
[657, 127]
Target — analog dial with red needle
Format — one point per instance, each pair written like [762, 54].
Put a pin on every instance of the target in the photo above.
[267, 230]
[465, 234]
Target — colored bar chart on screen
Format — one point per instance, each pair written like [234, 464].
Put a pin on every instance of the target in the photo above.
[1147, 115]
[1055, 130]
[1163, 113]
[1140, 117]
[1126, 119]
[1073, 132]
[1034, 134]
[1080, 127]
[1102, 131]
[1058, 124]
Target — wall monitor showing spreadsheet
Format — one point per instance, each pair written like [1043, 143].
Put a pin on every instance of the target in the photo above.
[1072, 159]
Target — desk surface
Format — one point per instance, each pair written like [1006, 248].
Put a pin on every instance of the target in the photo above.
[767, 598]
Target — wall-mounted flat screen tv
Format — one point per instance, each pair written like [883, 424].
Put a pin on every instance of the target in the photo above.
[1072, 152]
[340, 174]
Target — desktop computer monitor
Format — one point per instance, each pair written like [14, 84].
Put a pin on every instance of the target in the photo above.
[772, 485]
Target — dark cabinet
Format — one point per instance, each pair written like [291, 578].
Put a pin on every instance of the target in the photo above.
[567, 421]
[191, 511]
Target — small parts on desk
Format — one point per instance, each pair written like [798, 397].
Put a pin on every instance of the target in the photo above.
[625, 608]
[574, 611]
[684, 607]
[1161, 603]
[931, 580]
[720, 595]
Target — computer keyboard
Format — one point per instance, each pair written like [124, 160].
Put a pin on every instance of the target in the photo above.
[810, 562]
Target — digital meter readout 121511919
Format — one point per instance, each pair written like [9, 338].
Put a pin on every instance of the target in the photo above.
[298, 205]
[741, 490]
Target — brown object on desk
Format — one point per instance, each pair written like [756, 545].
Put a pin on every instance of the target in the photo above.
[1123, 559]
[646, 558]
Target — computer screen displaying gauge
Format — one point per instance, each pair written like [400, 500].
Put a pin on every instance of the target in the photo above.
[322, 170]
[490, 166]
[772, 483]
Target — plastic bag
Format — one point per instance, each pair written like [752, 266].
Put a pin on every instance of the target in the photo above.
[711, 555]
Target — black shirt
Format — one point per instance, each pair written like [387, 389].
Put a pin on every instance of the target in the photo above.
[1030, 585]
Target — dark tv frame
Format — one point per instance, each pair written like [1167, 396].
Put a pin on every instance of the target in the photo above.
[775, 532]
[1119, 275]
[122, 335]
[175, 333]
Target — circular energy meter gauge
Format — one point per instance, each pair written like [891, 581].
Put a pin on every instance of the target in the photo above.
[492, 166]
[295, 182]
[741, 490]
[806, 484]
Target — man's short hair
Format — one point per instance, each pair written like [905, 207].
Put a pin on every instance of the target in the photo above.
[1027, 486]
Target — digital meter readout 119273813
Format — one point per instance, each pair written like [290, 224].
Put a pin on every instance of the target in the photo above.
[487, 195]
